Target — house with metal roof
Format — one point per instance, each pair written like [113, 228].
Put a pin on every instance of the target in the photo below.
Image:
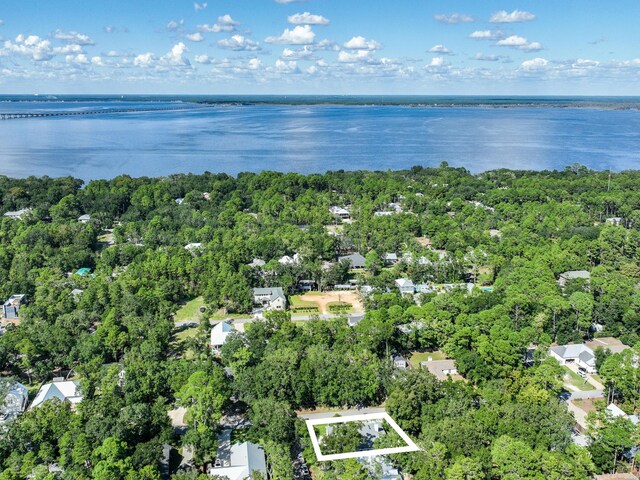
[405, 286]
[15, 402]
[63, 390]
[245, 458]
[578, 354]
[11, 308]
[271, 298]
[219, 334]
[356, 260]
[573, 275]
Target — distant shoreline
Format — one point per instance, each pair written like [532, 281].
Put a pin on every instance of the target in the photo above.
[409, 101]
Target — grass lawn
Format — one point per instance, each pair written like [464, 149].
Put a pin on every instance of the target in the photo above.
[185, 334]
[190, 311]
[417, 357]
[572, 378]
[303, 306]
[597, 378]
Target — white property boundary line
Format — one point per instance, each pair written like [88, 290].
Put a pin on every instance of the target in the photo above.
[411, 446]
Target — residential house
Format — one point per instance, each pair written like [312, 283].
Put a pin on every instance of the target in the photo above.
[193, 246]
[617, 221]
[495, 233]
[257, 263]
[84, 218]
[18, 214]
[270, 298]
[15, 402]
[219, 334]
[354, 319]
[405, 286]
[399, 361]
[306, 285]
[179, 201]
[287, 260]
[356, 261]
[409, 328]
[245, 459]
[572, 275]
[441, 369]
[11, 308]
[390, 258]
[575, 354]
[83, 272]
[63, 390]
[340, 212]
[616, 411]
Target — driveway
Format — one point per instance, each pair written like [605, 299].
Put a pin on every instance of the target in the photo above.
[342, 413]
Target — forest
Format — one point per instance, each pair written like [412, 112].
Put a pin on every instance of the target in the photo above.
[509, 233]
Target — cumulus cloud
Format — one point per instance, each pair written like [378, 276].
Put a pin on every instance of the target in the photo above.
[174, 25]
[144, 59]
[194, 37]
[437, 62]
[485, 35]
[520, 43]
[361, 43]
[300, 35]
[490, 58]
[286, 67]
[73, 37]
[67, 49]
[225, 23]
[238, 43]
[112, 53]
[255, 64]
[301, 53]
[80, 59]
[31, 46]
[199, 6]
[454, 18]
[441, 49]
[203, 59]
[176, 56]
[307, 18]
[535, 63]
[354, 57]
[516, 16]
[97, 61]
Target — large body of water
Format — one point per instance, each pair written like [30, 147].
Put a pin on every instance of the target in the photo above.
[306, 138]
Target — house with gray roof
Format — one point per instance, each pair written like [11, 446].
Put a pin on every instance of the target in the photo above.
[11, 307]
[356, 261]
[84, 218]
[573, 275]
[18, 214]
[270, 298]
[15, 402]
[575, 354]
[244, 459]
[405, 286]
[390, 258]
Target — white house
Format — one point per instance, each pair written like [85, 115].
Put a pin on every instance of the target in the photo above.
[245, 459]
[577, 353]
[219, 334]
[271, 298]
[405, 286]
[257, 263]
[572, 275]
[18, 214]
[84, 218]
[343, 213]
[63, 390]
[616, 411]
[15, 402]
[399, 362]
[614, 221]
[193, 246]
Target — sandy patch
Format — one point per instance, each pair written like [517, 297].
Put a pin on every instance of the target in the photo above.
[324, 298]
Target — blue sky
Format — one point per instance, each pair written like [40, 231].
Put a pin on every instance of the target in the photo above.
[568, 47]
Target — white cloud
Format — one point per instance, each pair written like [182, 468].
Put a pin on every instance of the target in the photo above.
[199, 6]
[519, 42]
[31, 46]
[1, 22]
[535, 63]
[301, 53]
[582, 63]
[97, 61]
[112, 53]
[238, 43]
[73, 37]
[516, 16]
[353, 57]
[80, 59]
[174, 25]
[286, 67]
[176, 56]
[110, 29]
[361, 43]
[203, 59]
[485, 35]
[194, 37]
[441, 49]
[225, 23]
[490, 58]
[454, 18]
[255, 64]
[307, 18]
[144, 59]
[300, 35]
[437, 62]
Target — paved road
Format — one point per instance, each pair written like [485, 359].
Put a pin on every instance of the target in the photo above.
[342, 413]
[586, 394]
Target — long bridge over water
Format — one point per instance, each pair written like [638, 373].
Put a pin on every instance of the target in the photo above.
[70, 113]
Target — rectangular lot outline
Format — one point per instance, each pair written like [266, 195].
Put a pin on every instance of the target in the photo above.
[411, 446]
